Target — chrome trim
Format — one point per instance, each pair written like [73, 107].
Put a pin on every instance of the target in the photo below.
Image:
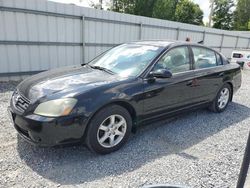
[20, 102]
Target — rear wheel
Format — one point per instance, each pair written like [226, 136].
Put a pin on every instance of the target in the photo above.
[222, 99]
[109, 129]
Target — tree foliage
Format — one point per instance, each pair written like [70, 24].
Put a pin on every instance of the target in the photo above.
[124, 6]
[165, 9]
[242, 15]
[188, 12]
[178, 10]
[136, 7]
[144, 7]
[223, 14]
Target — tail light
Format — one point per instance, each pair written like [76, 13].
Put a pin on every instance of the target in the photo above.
[248, 64]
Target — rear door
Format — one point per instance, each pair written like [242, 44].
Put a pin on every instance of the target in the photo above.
[208, 71]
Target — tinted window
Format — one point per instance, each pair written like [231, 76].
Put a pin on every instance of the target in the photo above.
[219, 60]
[176, 60]
[236, 55]
[204, 58]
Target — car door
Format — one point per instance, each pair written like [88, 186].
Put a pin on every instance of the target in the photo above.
[209, 73]
[163, 95]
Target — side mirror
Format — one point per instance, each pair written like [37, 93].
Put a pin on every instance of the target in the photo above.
[161, 73]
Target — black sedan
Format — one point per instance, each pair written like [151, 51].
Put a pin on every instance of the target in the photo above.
[101, 102]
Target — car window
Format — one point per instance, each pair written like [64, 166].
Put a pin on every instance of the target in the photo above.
[176, 60]
[127, 60]
[237, 55]
[204, 58]
[219, 60]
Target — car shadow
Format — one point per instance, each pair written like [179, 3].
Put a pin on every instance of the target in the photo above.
[76, 164]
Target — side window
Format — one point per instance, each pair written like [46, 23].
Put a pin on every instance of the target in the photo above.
[219, 60]
[176, 60]
[204, 58]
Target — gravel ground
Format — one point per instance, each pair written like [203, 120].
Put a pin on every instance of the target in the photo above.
[197, 149]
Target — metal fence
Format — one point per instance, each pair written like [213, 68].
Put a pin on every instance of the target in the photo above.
[37, 35]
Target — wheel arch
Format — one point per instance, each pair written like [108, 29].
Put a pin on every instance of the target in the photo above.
[131, 110]
[231, 86]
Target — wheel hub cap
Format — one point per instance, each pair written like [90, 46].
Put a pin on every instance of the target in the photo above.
[111, 131]
[224, 98]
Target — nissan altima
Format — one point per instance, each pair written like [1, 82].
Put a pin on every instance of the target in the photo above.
[101, 102]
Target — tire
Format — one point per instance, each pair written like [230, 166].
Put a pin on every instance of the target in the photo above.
[109, 129]
[221, 100]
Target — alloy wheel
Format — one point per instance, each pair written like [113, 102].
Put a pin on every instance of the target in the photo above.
[111, 131]
[224, 98]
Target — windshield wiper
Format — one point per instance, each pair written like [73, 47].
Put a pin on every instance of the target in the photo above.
[102, 68]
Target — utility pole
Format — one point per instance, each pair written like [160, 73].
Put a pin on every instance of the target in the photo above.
[211, 13]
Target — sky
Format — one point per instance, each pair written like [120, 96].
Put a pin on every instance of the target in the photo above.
[204, 5]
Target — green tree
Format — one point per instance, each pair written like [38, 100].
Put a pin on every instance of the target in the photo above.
[223, 14]
[144, 7]
[179, 10]
[136, 7]
[188, 12]
[242, 15]
[165, 9]
[124, 6]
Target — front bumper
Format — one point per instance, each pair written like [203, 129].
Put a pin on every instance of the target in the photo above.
[44, 131]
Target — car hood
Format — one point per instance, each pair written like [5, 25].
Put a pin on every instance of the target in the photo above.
[74, 78]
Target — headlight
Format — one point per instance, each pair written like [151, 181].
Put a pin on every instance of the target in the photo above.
[56, 108]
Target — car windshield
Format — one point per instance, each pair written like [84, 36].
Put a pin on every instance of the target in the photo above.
[127, 60]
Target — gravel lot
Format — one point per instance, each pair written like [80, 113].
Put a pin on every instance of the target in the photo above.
[197, 149]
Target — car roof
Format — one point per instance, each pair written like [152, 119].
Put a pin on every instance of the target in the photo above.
[163, 43]
[171, 43]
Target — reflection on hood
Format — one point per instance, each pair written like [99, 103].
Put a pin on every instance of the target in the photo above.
[51, 82]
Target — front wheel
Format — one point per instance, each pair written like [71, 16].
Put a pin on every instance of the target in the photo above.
[222, 99]
[109, 129]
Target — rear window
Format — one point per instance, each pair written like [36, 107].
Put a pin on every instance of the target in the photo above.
[237, 55]
[204, 58]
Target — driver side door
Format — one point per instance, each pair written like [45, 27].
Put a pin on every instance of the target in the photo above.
[166, 95]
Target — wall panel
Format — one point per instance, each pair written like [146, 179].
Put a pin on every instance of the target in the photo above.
[37, 35]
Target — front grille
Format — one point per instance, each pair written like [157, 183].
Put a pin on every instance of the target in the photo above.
[20, 102]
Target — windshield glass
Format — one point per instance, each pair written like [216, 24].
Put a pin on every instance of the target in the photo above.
[128, 59]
